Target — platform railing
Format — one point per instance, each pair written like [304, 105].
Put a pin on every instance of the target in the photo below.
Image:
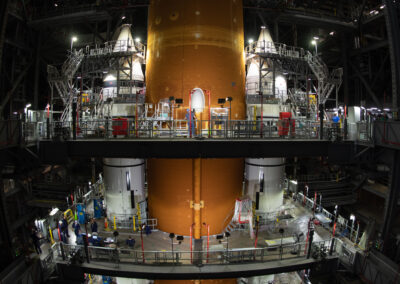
[364, 132]
[125, 221]
[343, 228]
[127, 46]
[48, 264]
[116, 256]
[279, 49]
[165, 128]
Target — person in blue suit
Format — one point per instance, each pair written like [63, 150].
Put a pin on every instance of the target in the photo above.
[191, 115]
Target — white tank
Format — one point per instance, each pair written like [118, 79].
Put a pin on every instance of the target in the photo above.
[110, 86]
[265, 178]
[122, 280]
[136, 69]
[261, 279]
[123, 178]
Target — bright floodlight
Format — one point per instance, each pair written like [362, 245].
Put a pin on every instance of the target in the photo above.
[313, 42]
[251, 41]
[263, 27]
[137, 39]
[74, 38]
[54, 211]
[316, 38]
[28, 105]
[352, 217]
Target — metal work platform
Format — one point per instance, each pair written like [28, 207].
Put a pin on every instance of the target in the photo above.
[154, 259]
[191, 272]
[58, 152]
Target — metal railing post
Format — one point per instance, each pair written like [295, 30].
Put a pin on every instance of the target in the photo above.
[62, 250]
[332, 246]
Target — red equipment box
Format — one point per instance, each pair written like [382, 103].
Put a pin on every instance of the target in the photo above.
[120, 126]
[285, 120]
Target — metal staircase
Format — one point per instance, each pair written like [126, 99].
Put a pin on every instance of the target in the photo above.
[63, 81]
[67, 109]
[327, 81]
[72, 64]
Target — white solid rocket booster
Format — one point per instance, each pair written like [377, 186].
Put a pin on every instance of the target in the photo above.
[265, 177]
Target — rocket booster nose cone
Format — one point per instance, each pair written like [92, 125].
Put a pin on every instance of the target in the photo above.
[265, 35]
[125, 40]
[265, 42]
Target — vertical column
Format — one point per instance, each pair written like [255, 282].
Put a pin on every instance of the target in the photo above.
[392, 197]
[108, 35]
[276, 31]
[321, 121]
[197, 197]
[392, 27]
[294, 31]
[37, 72]
[5, 240]
[345, 59]
[93, 164]
[273, 78]
[74, 120]
[3, 25]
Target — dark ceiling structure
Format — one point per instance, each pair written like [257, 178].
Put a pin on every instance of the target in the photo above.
[358, 35]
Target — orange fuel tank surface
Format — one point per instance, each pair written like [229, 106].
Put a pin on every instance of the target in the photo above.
[197, 43]
[170, 184]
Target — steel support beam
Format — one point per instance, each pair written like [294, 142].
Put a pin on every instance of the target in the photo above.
[37, 72]
[14, 87]
[345, 65]
[3, 23]
[392, 28]
[58, 152]
[392, 196]
[366, 85]
[95, 32]
[186, 272]
[295, 17]
[5, 235]
[276, 31]
[371, 47]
